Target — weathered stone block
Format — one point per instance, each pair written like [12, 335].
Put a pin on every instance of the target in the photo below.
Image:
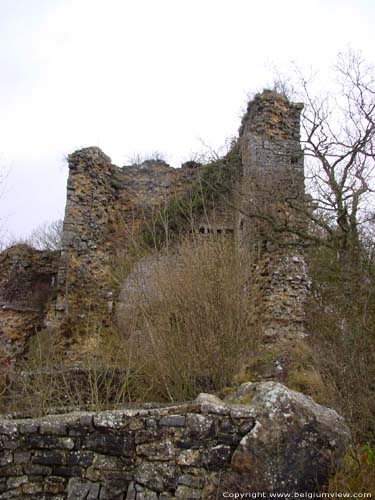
[29, 427]
[48, 457]
[227, 426]
[51, 427]
[32, 489]
[48, 442]
[15, 482]
[136, 424]
[37, 470]
[190, 458]
[149, 435]
[80, 489]
[147, 495]
[66, 471]
[8, 428]
[132, 492]
[82, 458]
[229, 439]
[151, 423]
[6, 458]
[22, 457]
[55, 485]
[158, 477]
[212, 404]
[200, 426]
[114, 489]
[3, 485]
[218, 457]
[160, 450]
[173, 421]
[110, 420]
[191, 481]
[109, 469]
[111, 444]
[11, 470]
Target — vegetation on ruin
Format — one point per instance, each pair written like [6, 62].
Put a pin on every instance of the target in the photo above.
[214, 182]
[192, 334]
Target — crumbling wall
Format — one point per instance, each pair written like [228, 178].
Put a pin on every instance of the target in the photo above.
[83, 278]
[27, 286]
[281, 442]
[25, 273]
[272, 191]
[105, 204]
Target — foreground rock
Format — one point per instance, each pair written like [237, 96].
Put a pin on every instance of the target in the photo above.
[281, 441]
[294, 445]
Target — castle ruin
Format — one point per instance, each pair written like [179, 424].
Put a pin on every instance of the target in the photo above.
[104, 201]
[280, 441]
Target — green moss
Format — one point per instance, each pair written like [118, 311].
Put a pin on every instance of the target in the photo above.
[117, 180]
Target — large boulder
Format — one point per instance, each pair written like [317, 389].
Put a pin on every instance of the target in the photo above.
[294, 446]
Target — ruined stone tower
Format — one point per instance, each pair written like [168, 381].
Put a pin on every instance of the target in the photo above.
[271, 191]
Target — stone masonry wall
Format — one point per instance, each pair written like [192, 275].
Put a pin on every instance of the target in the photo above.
[104, 205]
[88, 223]
[24, 273]
[105, 202]
[282, 441]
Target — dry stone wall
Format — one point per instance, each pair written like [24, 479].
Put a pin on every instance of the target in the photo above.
[281, 442]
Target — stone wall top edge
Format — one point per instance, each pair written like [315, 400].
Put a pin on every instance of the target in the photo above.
[76, 416]
[270, 95]
[95, 153]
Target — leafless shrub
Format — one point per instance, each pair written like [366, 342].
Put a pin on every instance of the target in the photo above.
[340, 314]
[194, 327]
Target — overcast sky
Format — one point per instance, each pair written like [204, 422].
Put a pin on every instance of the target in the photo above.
[138, 76]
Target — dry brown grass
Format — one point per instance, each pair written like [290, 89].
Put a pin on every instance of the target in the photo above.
[341, 322]
[195, 318]
[47, 379]
[185, 326]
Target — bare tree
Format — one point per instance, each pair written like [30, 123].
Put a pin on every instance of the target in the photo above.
[47, 236]
[338, 131]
